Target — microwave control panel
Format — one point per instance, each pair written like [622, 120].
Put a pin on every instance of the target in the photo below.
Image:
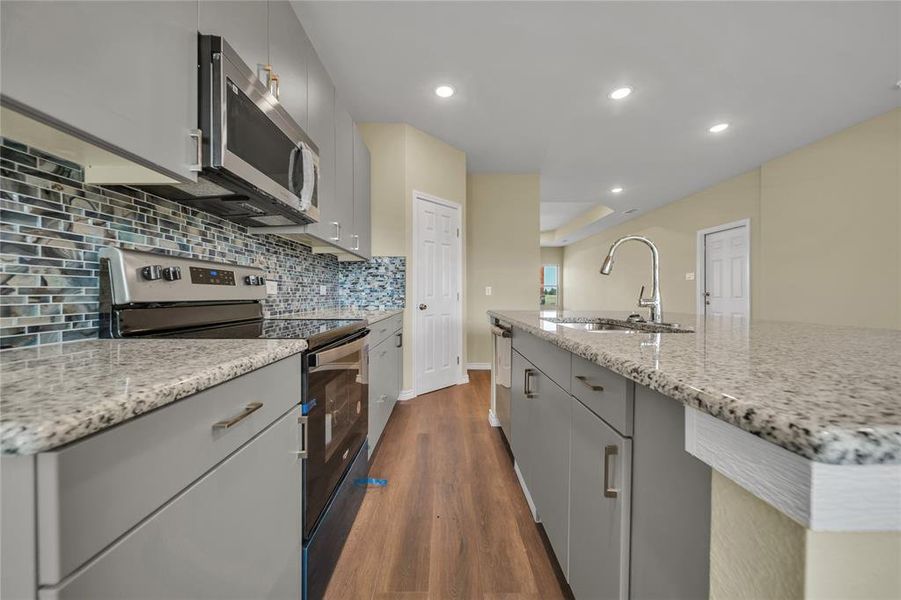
[207, 276]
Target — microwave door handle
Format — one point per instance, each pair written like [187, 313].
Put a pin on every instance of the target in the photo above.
[310, 175]
[292, 159]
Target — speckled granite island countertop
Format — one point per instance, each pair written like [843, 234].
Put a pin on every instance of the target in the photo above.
[55, 394]
[829, 393]
[373, 316]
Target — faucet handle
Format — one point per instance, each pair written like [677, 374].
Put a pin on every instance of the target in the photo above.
[641, 297]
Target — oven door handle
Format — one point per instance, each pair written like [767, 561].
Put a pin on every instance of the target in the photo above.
[324, 357]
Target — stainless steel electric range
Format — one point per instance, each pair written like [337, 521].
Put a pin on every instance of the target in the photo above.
[145, 294]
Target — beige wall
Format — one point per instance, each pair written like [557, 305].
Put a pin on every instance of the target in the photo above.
[405, 159]
[673, 228]
[825, 236]
[553, 255]
[502, 251]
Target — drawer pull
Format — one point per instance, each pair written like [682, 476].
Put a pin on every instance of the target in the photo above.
[304, 436]
[248, 410]
[594, 388]
[609, 492]
[527, 384]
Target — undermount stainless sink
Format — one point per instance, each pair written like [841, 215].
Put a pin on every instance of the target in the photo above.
[620, 326]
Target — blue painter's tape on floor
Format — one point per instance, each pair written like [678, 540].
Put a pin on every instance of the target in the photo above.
[371, 482]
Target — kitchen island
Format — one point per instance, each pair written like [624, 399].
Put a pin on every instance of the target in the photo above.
[797, 425]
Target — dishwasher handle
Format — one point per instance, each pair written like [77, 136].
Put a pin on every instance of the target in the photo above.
[501, 331]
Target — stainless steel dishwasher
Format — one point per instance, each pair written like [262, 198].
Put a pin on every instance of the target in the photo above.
[503, 354]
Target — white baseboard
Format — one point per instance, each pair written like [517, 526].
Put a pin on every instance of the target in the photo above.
[525, 491]
[478, 366]
[492, 419]
[406, 395]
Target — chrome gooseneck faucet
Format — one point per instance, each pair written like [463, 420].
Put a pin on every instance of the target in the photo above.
[654, 301]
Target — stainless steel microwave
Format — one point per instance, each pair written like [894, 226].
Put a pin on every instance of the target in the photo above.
[257, 166]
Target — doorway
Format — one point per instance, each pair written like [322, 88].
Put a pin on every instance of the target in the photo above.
[723, 267]
[437, 302]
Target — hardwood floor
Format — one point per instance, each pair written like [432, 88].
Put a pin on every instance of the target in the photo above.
[452, 521]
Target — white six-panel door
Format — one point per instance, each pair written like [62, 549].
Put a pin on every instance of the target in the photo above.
[726, 278]
[436, 299]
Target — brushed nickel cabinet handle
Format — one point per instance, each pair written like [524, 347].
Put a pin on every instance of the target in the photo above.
[527, 384]
[304, 422]
[400, 340]
[197, 135]
[248, 410]
[609, 492]
[594, 388]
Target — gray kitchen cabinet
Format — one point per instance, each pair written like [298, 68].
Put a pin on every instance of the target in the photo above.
[600, 500]
[549, 454]
[670, 505]
[362, 221]
[385, 377]
[342, 223]
[245, 26]
[234, 533]
[122, 75]
[322, 130]
[290, 54]
[521, 411]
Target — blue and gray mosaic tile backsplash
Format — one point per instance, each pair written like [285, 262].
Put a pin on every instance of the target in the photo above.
[378, 284]
[52, 224]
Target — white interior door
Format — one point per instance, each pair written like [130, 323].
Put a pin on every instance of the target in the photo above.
[726, 279]
[437, 319]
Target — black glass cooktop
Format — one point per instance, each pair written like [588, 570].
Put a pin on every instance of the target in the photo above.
[317, 332]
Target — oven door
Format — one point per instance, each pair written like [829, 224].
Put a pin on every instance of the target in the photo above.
[336, 411]
[251, 139]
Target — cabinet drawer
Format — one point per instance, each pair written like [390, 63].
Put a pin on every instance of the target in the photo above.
[384, 329]
[91, 492]
[235, 533]
[608, 395]
[550, 359]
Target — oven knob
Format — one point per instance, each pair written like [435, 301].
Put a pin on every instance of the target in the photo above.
[172, 273]
[251, 280]
[261, 280]
[152, 272]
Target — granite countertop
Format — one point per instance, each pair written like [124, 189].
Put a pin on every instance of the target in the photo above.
[829, 393]
[373, 316]
[55, 394]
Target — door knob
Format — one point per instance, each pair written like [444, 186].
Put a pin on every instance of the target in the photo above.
[423, 306]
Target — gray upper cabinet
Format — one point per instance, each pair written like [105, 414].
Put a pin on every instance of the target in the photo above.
[362, 221]
[599, 508]
[122, 75]
[245, 26]
[322, 130]
[290, 56]
[342, 223]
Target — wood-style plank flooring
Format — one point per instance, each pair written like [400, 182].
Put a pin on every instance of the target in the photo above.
[452, 521]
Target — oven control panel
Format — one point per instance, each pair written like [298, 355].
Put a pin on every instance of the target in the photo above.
[208, 276]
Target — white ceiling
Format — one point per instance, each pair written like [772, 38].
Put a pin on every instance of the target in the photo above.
[532, 80]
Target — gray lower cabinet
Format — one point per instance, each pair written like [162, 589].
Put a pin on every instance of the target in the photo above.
[549, 455]
[521, 410]
[120, 74]
[670, 505]
[235, 533]
[385, 379]
[599, 508]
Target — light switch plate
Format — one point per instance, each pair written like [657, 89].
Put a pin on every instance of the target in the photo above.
[322, 290]
[689, 277]
[487, 290]
[271, 287]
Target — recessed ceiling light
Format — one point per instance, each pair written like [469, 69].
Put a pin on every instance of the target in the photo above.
[619, 93]
[616, 190]
[444, 91]
[719, 128]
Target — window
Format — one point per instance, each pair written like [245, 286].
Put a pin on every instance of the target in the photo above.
[550, 285]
